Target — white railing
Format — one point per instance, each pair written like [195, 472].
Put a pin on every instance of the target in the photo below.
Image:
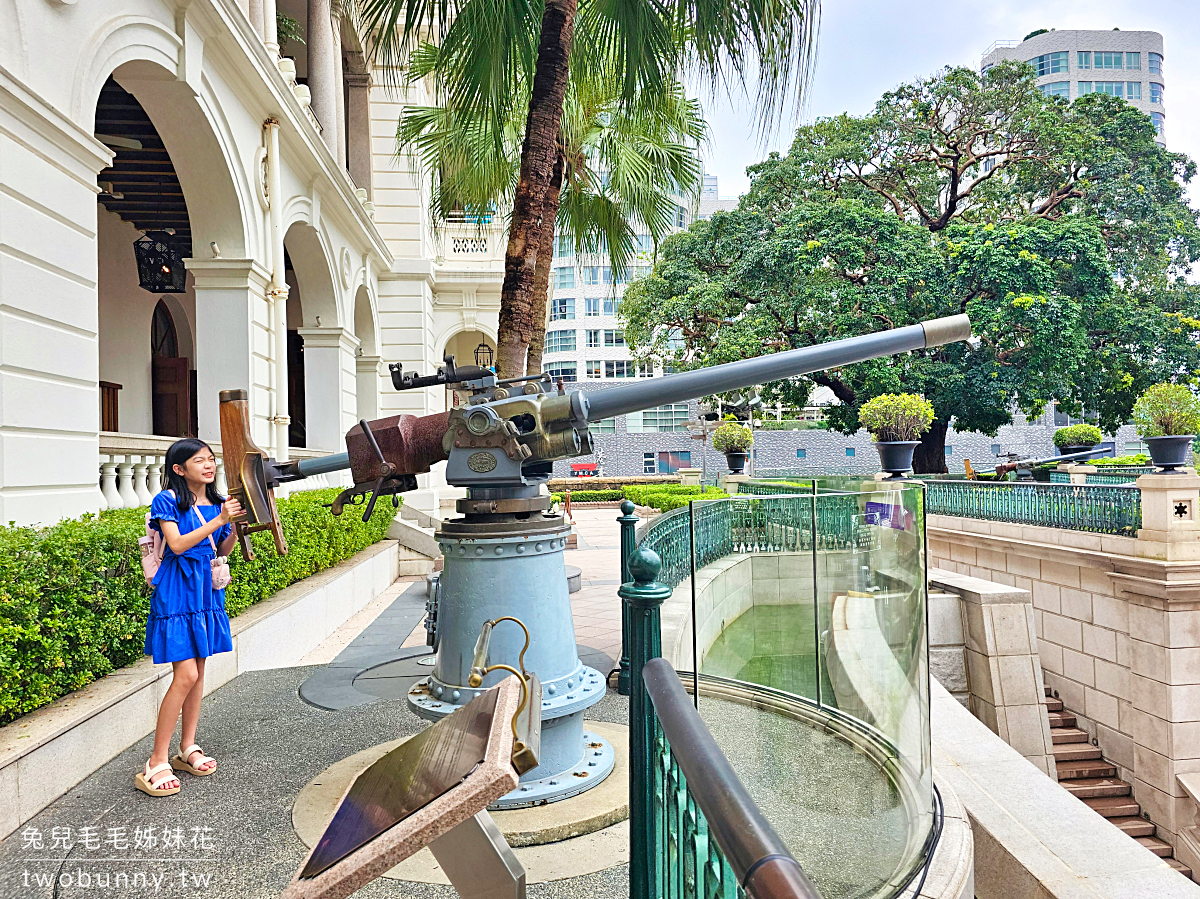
[131, 467]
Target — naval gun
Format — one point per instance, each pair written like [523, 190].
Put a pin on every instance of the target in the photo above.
[504, 556]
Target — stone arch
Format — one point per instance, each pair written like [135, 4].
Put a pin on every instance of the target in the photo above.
[462, 342]
[143, 56]
[368, 363]
[322, 390]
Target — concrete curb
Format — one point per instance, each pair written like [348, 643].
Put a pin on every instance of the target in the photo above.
[47, 752]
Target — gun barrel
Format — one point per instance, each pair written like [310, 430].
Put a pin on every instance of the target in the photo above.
[690, 385]
[324, 464]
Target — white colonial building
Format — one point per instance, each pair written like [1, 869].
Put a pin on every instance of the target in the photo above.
[307, 259]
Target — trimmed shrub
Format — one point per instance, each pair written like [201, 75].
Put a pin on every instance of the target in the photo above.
[593, 496]
[1077, 435]
[1166, 410]
[732, 437]
[1137, 459]
[665, 502]
[73, 603]
[896, 416]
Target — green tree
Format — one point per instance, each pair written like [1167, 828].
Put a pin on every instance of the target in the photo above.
[1066, 250]
[619, 168]
[488, 45]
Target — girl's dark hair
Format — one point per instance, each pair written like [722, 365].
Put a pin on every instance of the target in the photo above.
[178, 454]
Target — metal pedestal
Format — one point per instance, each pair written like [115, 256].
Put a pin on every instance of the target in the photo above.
[501, 566]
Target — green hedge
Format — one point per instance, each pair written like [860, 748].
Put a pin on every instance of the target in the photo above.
[662, 497]
[73, 602]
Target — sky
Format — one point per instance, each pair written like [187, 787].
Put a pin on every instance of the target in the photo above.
[867, 47]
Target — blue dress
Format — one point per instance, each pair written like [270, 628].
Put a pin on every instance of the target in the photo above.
[187, 616]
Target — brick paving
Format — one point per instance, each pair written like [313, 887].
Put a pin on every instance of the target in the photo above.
[596, 607]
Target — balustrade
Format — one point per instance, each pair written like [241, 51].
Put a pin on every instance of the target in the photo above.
[131, 469]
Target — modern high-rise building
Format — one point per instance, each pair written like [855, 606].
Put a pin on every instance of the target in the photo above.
[585, 341]
[1069, 64]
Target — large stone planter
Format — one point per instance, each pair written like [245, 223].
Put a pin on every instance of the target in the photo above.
[1069, 450]
[736, 462]
[1171, 452]
[895, 456]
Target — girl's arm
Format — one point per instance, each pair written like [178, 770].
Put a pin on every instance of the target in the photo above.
[225, 547]
[181, 543]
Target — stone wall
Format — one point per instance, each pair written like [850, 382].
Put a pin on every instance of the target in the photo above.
[1118, 633]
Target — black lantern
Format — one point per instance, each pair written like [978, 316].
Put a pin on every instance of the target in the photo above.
[483, 355]
[159, 263]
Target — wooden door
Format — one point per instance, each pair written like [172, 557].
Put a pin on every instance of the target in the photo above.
[171, 396]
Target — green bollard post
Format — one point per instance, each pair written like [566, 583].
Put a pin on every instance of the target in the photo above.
[628, 544]
[642, 600]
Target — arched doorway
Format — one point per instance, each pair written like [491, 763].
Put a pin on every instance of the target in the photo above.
[320, 352]
[147, 225]
[368, 363]
[467, 348]
[172, 379]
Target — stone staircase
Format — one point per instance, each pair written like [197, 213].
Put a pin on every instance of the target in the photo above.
[1083, 772]
[419, 551]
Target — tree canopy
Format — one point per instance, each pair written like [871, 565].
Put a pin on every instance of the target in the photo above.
[1061, 229]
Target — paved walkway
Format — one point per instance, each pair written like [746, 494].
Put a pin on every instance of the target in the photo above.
[230, 835]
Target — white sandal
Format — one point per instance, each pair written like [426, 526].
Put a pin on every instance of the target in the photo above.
[142, 780]
[181, 762]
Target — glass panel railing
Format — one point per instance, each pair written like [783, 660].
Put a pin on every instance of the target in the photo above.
[808, 614]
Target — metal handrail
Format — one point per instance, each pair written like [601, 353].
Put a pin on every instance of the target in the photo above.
[760, 860]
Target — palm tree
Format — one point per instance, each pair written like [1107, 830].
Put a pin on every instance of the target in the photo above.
[618, 167]
[486, 46]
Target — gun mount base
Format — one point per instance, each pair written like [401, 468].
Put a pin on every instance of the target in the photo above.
[512, 564]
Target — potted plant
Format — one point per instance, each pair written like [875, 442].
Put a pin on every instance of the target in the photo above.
[733, 440]
[897, 421]
[1077, 438]
[1167, 417]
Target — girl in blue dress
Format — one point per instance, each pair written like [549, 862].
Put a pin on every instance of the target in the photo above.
[187, 621]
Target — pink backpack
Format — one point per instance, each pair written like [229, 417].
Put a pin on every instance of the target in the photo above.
[154, 544]
[152, 547]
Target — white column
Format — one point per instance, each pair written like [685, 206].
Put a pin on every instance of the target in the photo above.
[323, 62]
[367, 370]
[330, 391]
[270, 28]
[231, 340]
[256, 17]
[358, 126]
[339, 85]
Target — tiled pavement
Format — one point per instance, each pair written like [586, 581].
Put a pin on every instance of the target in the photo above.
[596, 607]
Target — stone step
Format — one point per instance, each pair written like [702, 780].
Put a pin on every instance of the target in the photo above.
[1053, 705]
[1113, 806]
[1179, 866]
[1159, 847]
[1076, 752]
[1068, 735]
[1091, 787]
[1048, 691]
[1061, 719]
[1134, 826]
[1076, 770]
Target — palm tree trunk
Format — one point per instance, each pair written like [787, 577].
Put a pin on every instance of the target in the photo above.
[537, 162]
[541, 276]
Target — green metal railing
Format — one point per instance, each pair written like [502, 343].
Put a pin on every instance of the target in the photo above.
[1112, 479]
[754, 523]
[1076, 507]
[775, 488]
[694, 831]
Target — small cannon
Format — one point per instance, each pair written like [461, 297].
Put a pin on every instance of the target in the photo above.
[504, 557]
[1003, 468]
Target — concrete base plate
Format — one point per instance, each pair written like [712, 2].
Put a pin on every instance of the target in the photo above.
[577, 836]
